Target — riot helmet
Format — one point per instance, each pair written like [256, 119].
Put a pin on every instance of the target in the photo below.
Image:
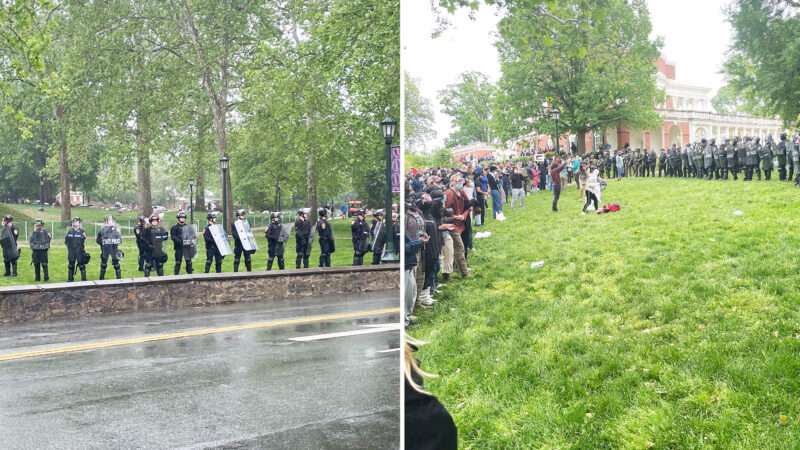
[76, 222]
[275, 217]
[211, 217]
[181, 215]
[241, 213]
[154, 218]
[322, 212]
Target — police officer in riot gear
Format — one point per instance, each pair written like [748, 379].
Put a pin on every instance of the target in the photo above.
[751, 158]
[138, 231]
[730, 159]
[109, 239]
[377, 234]
[154, 237]
[765, 155]
[274, 241]
[360, 232]
[40, 244]
[717, 156]
[723, 160]
[302, 235]
[708, 159]
[184, 242]
[793, 155]
[75, 240]
[212, 252]
[327, 243]
[8, 240]
[741, 156]
[780, 150]
[238, 248]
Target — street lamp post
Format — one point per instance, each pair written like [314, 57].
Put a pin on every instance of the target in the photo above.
[223, 165]
[191, 201]
[557, 115]
[390, 254]
[41, 190]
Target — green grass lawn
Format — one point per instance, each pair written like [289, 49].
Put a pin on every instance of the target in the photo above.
[670, 324]
[58, 256]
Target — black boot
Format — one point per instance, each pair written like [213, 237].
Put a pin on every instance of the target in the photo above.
[103, 271]
[218, 266]
[83, 273]
[147, 269]
[7, 265]
[118, 272]
[321, 260]
[46, 272]
[235, 265]
[269, 263]
[281, 265]
[305, 261]
[37, 272]
[178, 268]
[208, 266]
[14, 268]
[189, 266]
[248, 264]
[297, 261]
[71, 273]
[160, 270]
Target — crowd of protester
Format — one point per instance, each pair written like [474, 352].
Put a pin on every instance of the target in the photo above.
[446, 207]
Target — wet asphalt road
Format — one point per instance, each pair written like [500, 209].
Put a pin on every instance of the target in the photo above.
[251, 388]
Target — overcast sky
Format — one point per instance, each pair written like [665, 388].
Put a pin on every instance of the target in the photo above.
[696, 37]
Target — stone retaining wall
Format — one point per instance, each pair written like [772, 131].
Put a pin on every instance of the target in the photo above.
[89, 298]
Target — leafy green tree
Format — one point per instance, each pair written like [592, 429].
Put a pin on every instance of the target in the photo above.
[594, 63]
[417, 120]
[764, 60]
[469, 102]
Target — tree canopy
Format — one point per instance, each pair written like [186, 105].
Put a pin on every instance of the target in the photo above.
[763, 65]
[469, 102]
[593, 62]
[119, 98]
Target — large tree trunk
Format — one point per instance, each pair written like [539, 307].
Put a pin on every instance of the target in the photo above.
[581, 137]
[218, 100]
[199, 193]
[63, 166]
[311, 184]
[144, 195]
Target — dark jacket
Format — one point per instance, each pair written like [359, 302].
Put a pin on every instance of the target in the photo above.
[327, 243]
[74, 240]
[428, 425]
[359, 230]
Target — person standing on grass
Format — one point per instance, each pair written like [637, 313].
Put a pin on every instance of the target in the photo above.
[517, 189]
[457, 201]
[581, 176]
[40, 244]
[592, 188]
[481, 192]
[555, 173]
[576, 168]
[620, 166]
[494, 188]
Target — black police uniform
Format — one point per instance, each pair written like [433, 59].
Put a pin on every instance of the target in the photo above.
[238, 251]
[76, 253]
[184, 245]
[360, 235]
[155, 256]
[40, 244]
[212, 252]
[327, 243]
[276, 246]
[302, 234]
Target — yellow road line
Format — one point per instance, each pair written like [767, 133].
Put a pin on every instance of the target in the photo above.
[192, 333]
